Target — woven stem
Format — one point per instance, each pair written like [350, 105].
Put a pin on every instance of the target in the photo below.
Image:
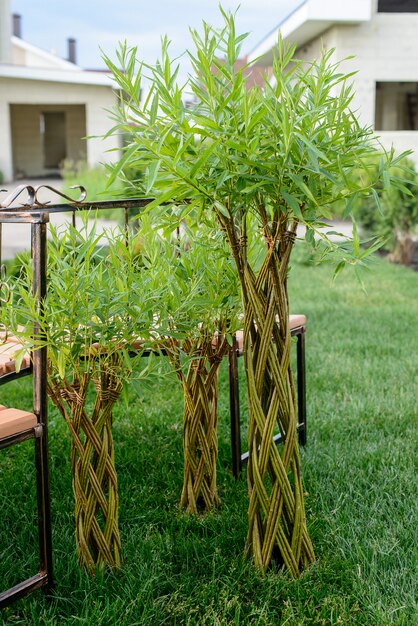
[277, 525]
[93, 465]
[200, 422]
[276, 516]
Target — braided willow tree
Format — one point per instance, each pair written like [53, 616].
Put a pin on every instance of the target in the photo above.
[262, 162]
[96, 305]
[199, 306]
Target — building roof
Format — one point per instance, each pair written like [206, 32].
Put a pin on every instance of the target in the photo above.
[51, 59]
[77, 76]
[310, 20]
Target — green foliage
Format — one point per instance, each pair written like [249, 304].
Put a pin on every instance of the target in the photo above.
[395, 216]
[359, 473]
[201, 281]
[95, 181]
[284, 153]
[106, 290]
[97, 303]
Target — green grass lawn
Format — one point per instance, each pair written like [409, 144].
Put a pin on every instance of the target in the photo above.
[362, 371]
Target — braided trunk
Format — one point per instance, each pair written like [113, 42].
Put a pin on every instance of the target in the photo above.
[93, 463]
[200, 420]
[276, 518]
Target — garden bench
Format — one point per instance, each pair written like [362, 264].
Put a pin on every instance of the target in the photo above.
[7, 358]
[297, 325]
[17, 425]
[15, 422]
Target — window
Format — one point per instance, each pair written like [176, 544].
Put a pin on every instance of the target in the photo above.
[397, 6]
[396, 106]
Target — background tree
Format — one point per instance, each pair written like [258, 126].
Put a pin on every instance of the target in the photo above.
[262, 162]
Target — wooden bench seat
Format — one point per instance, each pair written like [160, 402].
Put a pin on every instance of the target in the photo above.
[295, 322]
[15, 421]
[7, 357]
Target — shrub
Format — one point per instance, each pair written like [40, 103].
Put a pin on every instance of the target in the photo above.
[395, 217]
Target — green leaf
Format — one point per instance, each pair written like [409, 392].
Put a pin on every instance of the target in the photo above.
[377, 200]
[118, 167]
[151, 175]
[352, 201]
[19, 356]
[61, 364]
[340, 266]
[386, 179]
[316, 151]
[300, 183]
[293, 204]
[222, 209]
[356, 239]
[310, 237]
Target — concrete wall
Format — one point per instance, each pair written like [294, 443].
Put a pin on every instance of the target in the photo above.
[385, 50]
[43, 94]
[18, 56]
[5, 31]
[27, 145]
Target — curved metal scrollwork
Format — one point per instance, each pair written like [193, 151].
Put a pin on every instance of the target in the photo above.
[32, 201]
[79, 200]
[9, 200]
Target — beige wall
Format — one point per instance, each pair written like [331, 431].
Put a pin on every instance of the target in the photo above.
[6, 166]
[41, 94]
[5, 31]
[384, 49]
[18, 56]
[28, 151]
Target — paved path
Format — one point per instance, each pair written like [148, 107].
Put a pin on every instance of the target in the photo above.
[16, 237]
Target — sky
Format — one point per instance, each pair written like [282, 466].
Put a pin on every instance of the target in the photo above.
[103, 23]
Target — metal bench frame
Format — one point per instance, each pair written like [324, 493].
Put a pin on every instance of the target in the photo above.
[39, 433]
[238, 458]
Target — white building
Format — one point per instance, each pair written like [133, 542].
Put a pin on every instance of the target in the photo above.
[382, 35]
[48, 107]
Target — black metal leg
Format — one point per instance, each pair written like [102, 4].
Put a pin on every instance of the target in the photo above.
[301, 388]
[237, 458]
[40, 397]
[234, 409]
[44, 514]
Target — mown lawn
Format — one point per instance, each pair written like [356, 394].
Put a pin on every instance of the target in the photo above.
[362, 368]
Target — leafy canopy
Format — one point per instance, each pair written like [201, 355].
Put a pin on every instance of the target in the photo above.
[98, 301]
[111, 291]
[282, 152]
